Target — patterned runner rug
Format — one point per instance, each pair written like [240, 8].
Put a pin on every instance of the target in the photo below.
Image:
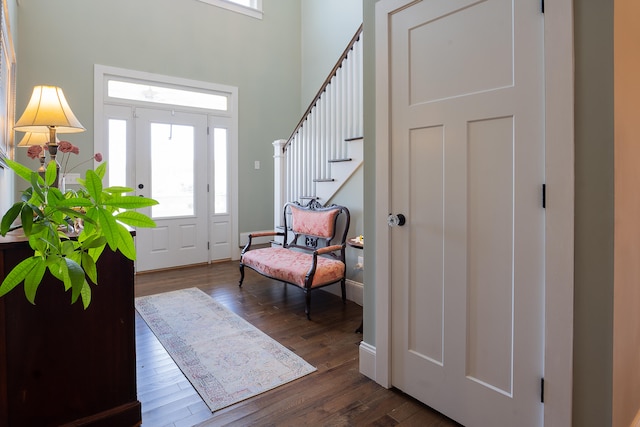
[225, 358]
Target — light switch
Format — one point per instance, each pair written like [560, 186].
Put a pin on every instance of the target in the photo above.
[256, 164]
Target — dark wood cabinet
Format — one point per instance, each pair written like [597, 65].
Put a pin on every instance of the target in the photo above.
[61, 364]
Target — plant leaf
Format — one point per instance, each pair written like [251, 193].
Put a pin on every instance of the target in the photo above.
[22, 171]
[27, 194]
[94, 185]
[9, 217]
[118, 190]
[85, 294]
[26, 216]
[76, 276]
[109, 228]
[101, 170]
[126, 245]
[79, 202]
[135, 219]
[94, 242]
[17, 275]
[130, 202]
[51, 173]
[36, 181]
[89, 266]
[33, 279]
[57, 268]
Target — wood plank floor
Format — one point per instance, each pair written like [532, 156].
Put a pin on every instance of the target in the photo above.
[335, 395]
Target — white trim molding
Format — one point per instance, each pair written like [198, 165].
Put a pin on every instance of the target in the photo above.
[368, 360]
[355, 291]
[254, 11]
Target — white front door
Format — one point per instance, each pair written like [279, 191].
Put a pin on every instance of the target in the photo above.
[467, 168]
[171, 167]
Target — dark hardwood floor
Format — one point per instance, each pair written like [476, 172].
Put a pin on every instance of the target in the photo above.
[335, 395]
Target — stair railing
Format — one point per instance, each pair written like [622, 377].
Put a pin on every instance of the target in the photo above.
[322, 135]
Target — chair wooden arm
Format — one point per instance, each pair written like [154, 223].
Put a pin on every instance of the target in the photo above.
[265, 233]
[259, 234]
[328, 249]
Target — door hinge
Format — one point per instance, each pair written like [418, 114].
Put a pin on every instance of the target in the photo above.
[544, 196]
[208, 246]
[207, 188]
[542, 6]
[542, 390]
[207, 130]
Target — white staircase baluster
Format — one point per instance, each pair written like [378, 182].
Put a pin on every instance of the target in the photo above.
[334, 116]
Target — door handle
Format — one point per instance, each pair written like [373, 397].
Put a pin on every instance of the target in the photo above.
[393, 220]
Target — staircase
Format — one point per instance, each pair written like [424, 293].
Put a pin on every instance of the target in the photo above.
[326, 147]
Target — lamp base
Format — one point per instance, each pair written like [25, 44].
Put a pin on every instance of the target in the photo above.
[53, 152]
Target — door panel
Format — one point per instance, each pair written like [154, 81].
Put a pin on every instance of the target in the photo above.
[467, 165]
[176, 176]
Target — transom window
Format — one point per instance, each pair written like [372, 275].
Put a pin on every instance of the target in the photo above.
[166, 95]
[251, 8]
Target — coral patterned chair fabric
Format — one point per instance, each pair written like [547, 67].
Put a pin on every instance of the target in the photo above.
[312, 254]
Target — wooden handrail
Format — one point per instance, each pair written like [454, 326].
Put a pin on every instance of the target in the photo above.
[333, 72]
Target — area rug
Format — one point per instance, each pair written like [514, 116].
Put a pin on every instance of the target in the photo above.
[225, 357]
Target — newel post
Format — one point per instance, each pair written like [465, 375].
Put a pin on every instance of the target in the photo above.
[279, 175]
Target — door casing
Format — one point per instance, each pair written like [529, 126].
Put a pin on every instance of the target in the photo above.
[230, 120]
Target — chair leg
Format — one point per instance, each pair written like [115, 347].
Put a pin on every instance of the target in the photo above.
[241, 274]
[307, 309]
[343, 287]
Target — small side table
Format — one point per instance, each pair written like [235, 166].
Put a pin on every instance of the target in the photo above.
[356, 244]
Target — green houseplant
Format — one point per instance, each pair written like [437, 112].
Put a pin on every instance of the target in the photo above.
[68, 231]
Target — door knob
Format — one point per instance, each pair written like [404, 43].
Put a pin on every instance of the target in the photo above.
[398, 220]
[141, 186]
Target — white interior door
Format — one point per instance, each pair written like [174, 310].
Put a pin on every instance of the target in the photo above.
[467, 168]
[171, 159]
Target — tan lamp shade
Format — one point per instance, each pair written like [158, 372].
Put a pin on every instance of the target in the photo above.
[35, 138]
[48, 109]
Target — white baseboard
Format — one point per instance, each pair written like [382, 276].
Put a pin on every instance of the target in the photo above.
[354, 291]
[244, 238]
[368, 360]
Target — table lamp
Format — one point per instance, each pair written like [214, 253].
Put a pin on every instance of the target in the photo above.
[48, 112]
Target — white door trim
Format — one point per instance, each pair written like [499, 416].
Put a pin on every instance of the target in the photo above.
[559, 244]
[100, 74]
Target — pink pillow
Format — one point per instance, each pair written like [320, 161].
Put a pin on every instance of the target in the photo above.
[314, 223]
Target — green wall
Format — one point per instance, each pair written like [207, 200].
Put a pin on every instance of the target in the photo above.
[327, 28]
[60, 41]
[369, 87]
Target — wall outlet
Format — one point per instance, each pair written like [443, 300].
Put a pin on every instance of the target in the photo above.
[72, 178]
